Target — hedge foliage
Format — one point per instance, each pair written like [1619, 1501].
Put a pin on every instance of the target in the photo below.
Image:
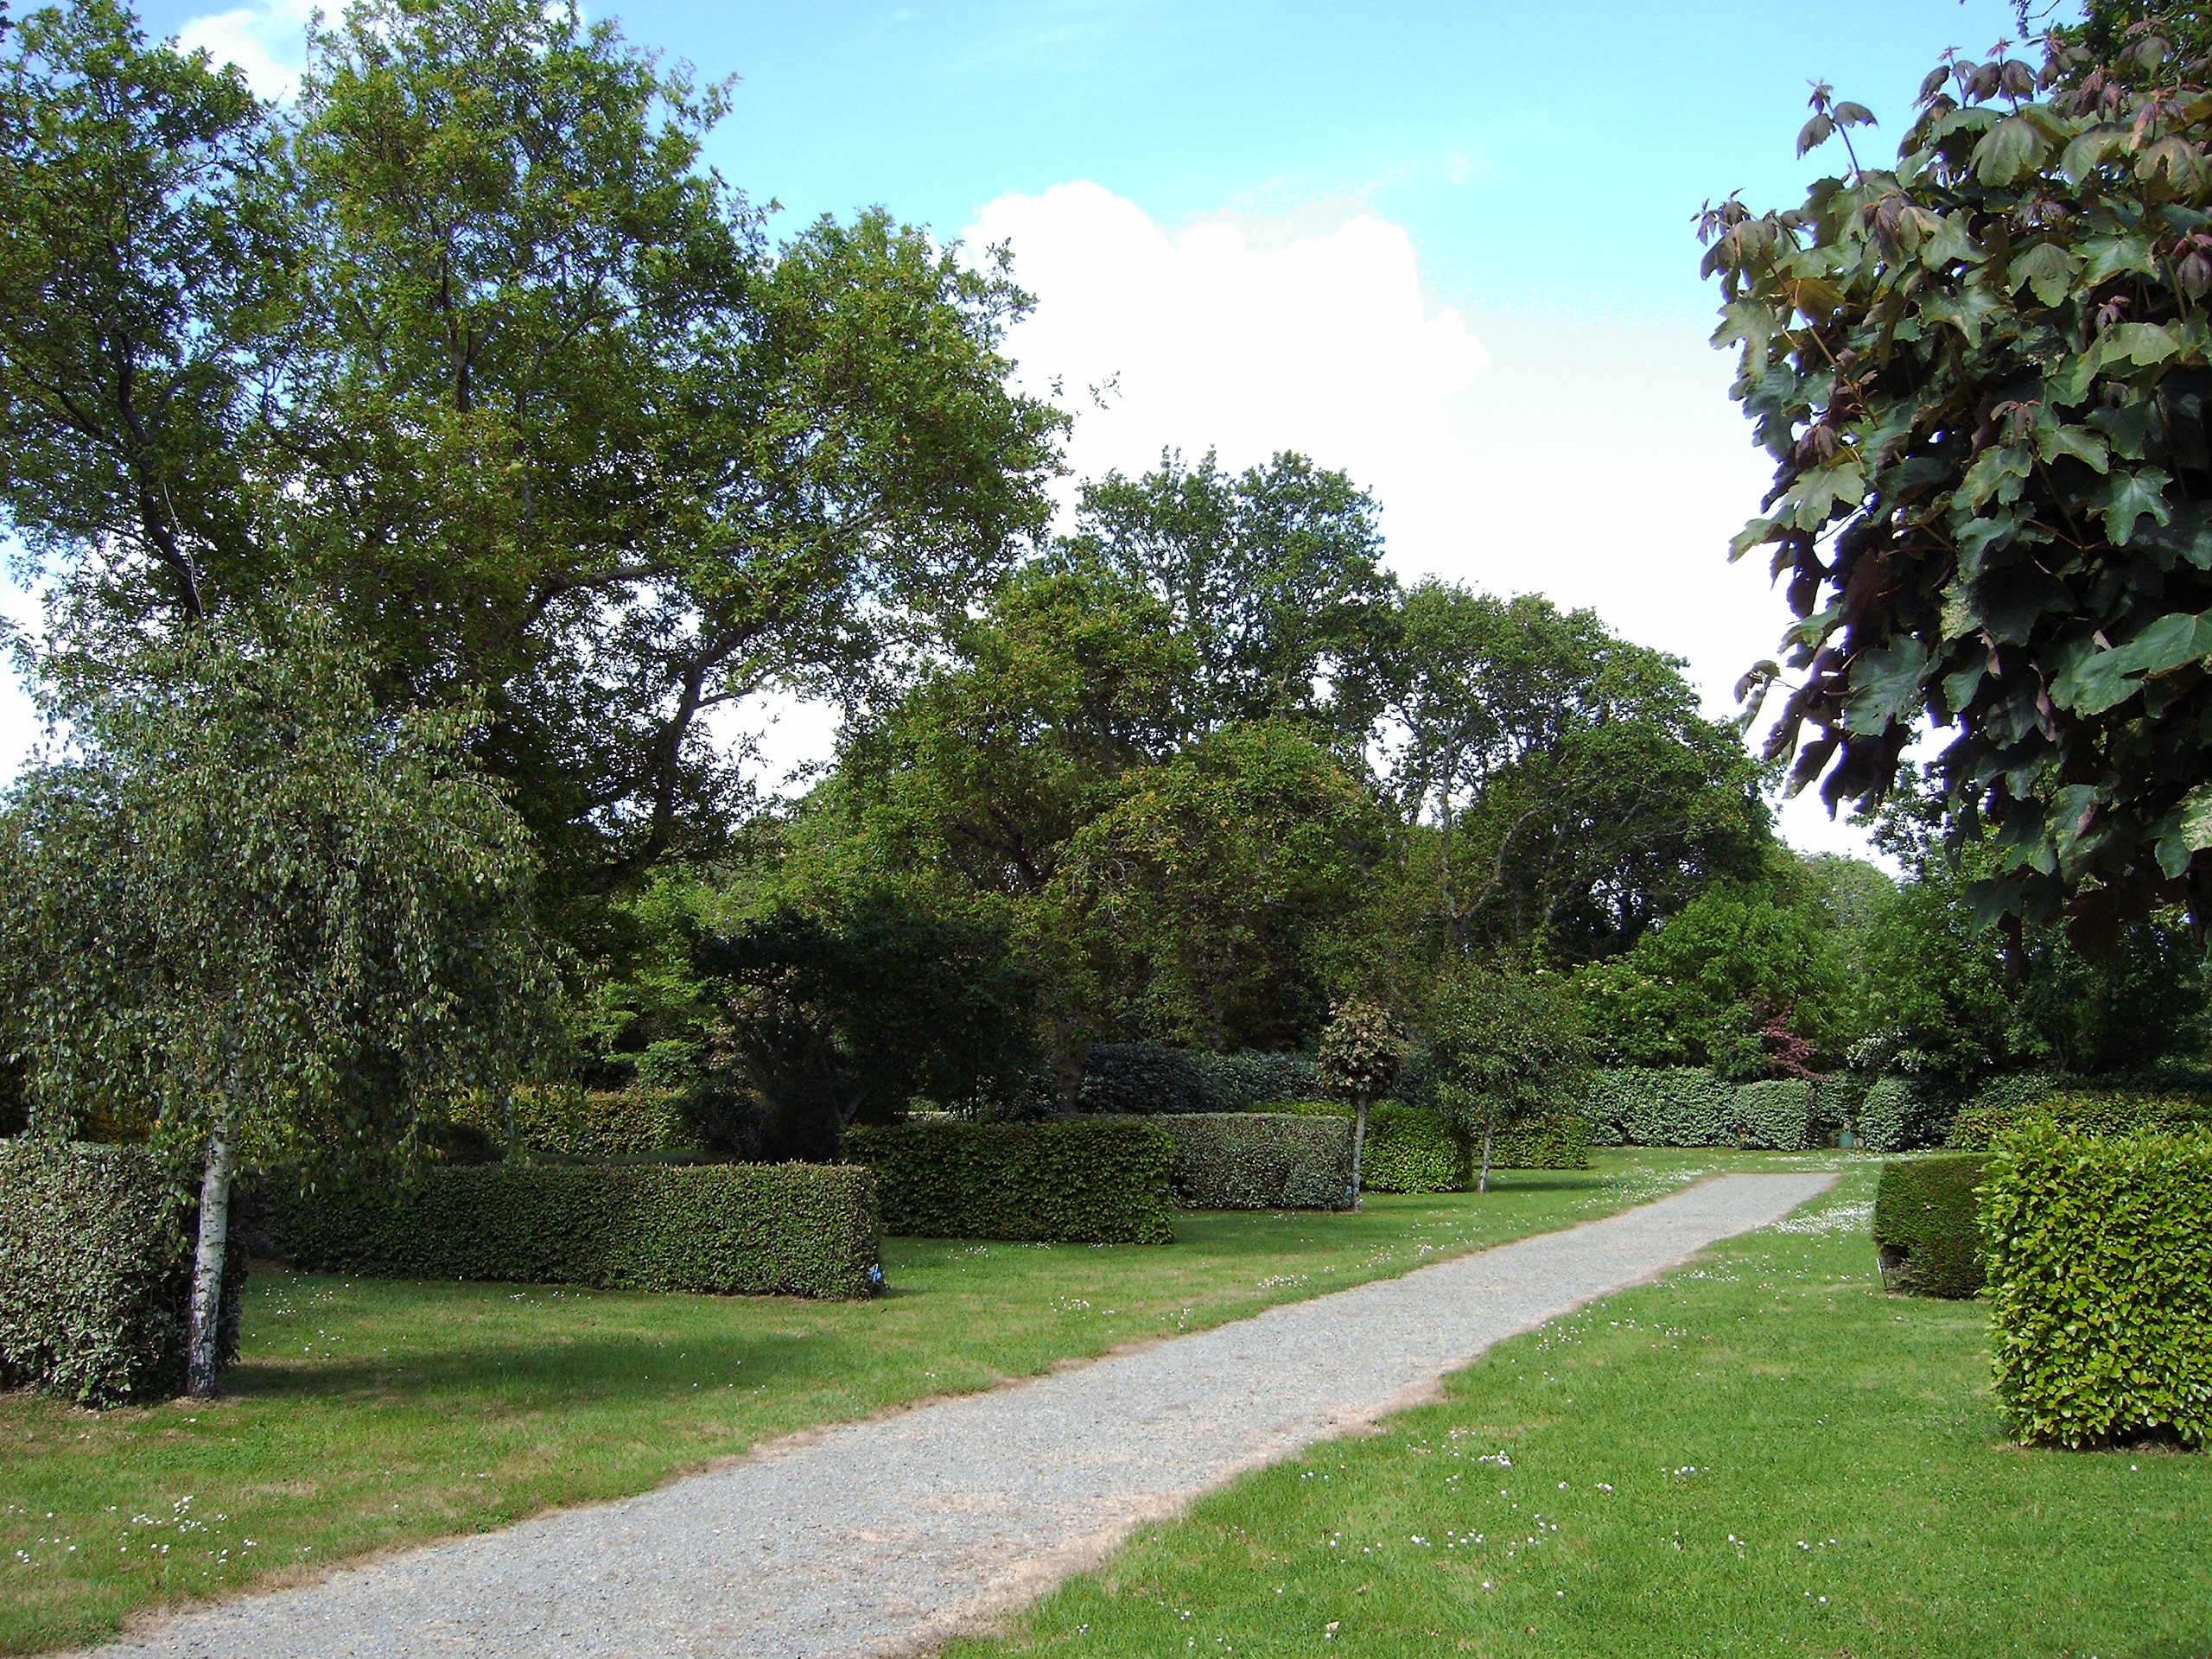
[559, 1121]
[1924, 1224]
[801, 1229]
[1260, 1161]
[2100, 1260]
[1691, 1106]
[2083, 1110]
[96, 1274]
[1144, 1079]
[1418, 1149]
[1900, 1114]
[1082, 1180]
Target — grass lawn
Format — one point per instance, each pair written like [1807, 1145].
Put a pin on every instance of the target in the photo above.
[1762, 1455]
[366, 1414]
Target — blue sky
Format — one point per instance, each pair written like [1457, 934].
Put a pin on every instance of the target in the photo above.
[1446, 247]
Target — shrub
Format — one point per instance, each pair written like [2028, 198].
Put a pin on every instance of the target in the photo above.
[1776, 1115]
[2100, 1260]
[1901, 1114]
[96, 1274]
[1145, 1078]
[1418, 1149]
[2081, 1110]
[803, 1230]
[1924, 1225]
[560, 1121]
[1087, 1180]
[1260, 1161]
[1661, 1106]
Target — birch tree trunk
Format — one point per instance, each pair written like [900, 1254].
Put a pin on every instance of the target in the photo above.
[205, 1339]
[1489, 1131]
[1359, 1146]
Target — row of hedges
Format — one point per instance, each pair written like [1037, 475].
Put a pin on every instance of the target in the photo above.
[1145, 1078]
[1418, 1149]
[1690, 1106]
[96, 1274]
[1087, 1180]
[1260, 1161]
[2079, 1111]
[802, 1230]
[560, 1121]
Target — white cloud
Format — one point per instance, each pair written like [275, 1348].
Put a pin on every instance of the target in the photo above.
[1597, 461]
[269, 42]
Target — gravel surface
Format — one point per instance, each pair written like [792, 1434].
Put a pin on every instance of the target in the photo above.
[884, 1536]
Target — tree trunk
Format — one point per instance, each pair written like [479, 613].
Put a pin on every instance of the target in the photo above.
[1482, 1184]
[1359, 1146]
[205, 1337]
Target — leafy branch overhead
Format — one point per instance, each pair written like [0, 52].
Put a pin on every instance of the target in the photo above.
[1981, 375]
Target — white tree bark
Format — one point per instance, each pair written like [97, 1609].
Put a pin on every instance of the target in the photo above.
[205, 1333]
[1359, 1146]
[1489, 1131]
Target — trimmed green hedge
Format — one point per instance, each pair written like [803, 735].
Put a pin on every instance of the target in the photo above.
[1145, 1078]
[801, 1229]
[1776, 1115]
[96, 1274]
[560, 1122]
[1082, 1180]
[1690, 1106]
[2100, 1261]
[1924, 1225]
[1416, 1149]
[2081, 1110]
[1260, 1161]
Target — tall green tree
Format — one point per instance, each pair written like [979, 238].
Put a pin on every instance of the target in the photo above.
[258, 917]
[1499, 1046]
[470, 344]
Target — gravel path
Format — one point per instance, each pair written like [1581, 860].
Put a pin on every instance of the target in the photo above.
[881, 1537]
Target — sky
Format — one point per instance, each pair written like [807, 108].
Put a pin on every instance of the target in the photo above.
[1443, 247]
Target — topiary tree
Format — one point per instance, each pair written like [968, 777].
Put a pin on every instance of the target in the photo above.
[1362, 1053]
[1982, 374]
[1499, 1046]
[254, 917]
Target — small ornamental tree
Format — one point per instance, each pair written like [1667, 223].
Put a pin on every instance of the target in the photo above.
[1982, 375]
[255, 917]
[1500, 1046]
[1362, 1053]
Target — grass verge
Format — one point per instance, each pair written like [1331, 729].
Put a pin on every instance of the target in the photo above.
[1763, 1454]
[367, 1414]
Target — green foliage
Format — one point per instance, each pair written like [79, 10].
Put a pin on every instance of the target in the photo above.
[1660, 1106]
[1418, 1149]
[1899, 1114]
[1924, 1225]
[1559, 790]
[797, 1230]
[1362, 1052]
[2100, 1260]
[1206, 907]
[96, 1275]
[562, 1120]
[2076, 1109]
[1725, 984]
[1777, 1114]
[1980, 374]
[1101, 1180]
[845, 1009]
[1148, 1077]
[1260, 1161]
[1499, 1046]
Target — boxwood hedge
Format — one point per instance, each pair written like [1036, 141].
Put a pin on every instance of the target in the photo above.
[1088, 1180]
[802, 1230]
[558, 1120]
[96, 1274]
[1144, 1079]
[1924, 1228]
[1418, 1149]
[2099, 1254]
[1260, 1161]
